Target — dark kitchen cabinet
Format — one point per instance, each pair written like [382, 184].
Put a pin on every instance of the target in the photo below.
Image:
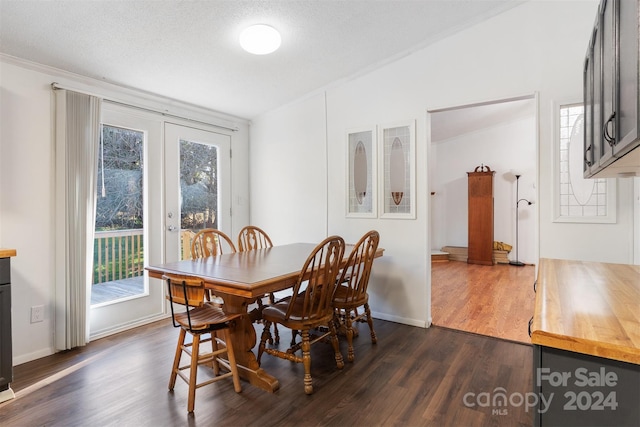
[6, 357]
[611, 81]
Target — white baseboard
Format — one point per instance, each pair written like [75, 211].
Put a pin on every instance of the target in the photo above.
[7, 394]
[398, 319]
[44, 352]
[124, 327]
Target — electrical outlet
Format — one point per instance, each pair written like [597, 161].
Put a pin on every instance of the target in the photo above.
[37, 313]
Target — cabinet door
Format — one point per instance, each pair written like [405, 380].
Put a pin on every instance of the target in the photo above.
[579, 390]
[608, 49]
[627, 15]
[6, 357]
[588, 110]
[480, 211]
[597, 146]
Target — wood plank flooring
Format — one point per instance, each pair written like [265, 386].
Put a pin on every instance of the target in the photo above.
[494, 300]
[412, 377]
[117, 289]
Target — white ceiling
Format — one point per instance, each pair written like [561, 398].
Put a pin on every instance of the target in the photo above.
[189, 51]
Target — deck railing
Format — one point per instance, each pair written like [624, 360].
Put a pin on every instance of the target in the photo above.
[120, 254]
[185, 243]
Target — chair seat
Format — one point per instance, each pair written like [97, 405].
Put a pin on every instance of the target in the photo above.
[341, 300]
[277, 313]
[205, 318]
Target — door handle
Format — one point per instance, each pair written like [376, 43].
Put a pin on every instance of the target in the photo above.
[605, 131]
[172, 228]
[586, 160]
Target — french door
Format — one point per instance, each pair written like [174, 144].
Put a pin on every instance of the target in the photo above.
[157, 183]
[197, 186]
[128, 233]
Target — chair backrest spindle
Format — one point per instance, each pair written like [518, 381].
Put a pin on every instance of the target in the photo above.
[211, 242]
[252, 237]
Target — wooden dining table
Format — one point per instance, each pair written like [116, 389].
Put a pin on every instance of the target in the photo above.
[240, 279]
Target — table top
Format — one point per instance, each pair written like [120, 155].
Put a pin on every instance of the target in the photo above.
[588, 307]
[248, 274]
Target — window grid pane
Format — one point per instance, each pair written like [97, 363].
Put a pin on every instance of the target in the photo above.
[593, 201]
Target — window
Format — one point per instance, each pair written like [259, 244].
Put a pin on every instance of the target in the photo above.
[579, 199]
[198, 185]
[118, 257]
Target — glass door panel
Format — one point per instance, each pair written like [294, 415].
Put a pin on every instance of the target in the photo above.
[197, 186]
[118, 254]
[128, 219]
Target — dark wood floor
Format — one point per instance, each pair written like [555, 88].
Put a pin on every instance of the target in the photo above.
[412, 377]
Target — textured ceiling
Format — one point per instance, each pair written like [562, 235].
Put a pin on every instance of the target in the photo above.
[189, 51]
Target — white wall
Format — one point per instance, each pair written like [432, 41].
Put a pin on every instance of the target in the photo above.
[288, 172]
[297, 158]
[537, 47]
[27, 189]
[28, 205]
[510, 145]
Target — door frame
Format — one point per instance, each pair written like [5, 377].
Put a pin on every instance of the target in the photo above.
[171, 186]
[534, 97]
[135, 311]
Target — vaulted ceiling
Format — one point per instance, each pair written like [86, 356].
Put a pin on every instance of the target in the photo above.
[189, 51]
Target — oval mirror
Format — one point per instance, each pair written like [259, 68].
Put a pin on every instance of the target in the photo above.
[360, 172]
[396, 171]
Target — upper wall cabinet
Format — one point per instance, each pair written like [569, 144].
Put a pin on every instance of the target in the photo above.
[612, 92]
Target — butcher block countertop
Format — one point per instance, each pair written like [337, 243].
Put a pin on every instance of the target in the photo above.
[588, 307]
[6, 253]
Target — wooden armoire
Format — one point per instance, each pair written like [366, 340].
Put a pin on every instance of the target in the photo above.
[480, 249]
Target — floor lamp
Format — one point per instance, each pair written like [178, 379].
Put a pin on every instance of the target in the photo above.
[517, 261]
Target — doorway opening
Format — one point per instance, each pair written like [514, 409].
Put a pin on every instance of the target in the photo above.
[489, 300]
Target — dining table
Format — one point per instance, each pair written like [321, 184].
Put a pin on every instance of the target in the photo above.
[240, 278]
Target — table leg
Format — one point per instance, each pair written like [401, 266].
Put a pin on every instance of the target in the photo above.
[243, 337]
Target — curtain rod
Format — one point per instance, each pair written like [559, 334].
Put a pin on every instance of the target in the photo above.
[57, 86]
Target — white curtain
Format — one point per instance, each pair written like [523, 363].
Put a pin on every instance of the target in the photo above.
[77, 142]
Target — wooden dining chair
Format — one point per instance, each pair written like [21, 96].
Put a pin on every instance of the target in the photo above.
[251, 238]
[308, 309]
[351, 292]
[199, 319]
[211, 242]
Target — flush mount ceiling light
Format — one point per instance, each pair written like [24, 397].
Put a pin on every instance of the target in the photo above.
[260, 39]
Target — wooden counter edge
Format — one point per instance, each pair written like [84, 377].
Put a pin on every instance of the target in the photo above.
[591, 348]
[6, 253]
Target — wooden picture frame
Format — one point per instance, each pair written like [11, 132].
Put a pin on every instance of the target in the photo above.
[361, 173]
